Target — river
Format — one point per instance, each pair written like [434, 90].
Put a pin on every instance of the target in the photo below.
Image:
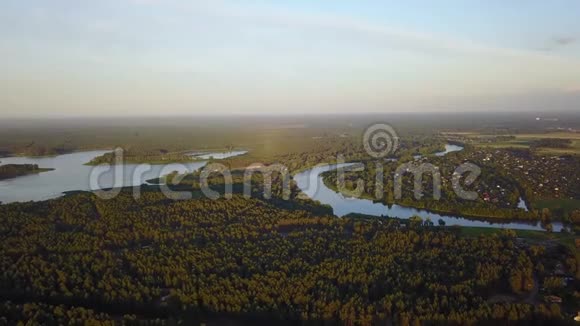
[71, 174]
[310, 182]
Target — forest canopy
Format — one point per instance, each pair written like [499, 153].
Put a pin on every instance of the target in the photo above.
[248, 258]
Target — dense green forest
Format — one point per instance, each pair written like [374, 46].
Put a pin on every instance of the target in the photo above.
[80, 258]
[153, 259]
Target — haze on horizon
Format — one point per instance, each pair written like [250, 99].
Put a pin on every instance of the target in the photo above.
[178, 57]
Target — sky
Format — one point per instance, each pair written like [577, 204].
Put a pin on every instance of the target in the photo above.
[225, 57]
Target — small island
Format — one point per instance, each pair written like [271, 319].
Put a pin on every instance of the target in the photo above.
[10, 171]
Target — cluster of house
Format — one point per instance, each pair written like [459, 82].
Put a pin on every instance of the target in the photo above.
[495, 195]
[547, 176]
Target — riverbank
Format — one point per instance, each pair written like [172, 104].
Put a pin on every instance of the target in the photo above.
[564, 238]
[311, 184]
[188, 156]
[456, 213]
[11, 171]
[21, 155]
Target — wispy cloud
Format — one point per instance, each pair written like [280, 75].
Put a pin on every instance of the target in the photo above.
[394, 36]
[268, 55]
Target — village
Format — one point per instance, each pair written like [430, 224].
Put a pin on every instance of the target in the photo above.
[543, 177]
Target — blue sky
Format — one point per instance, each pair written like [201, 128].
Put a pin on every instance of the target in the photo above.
[158, 57]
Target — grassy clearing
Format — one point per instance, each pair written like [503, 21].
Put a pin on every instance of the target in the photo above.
[552, 135]
[560, 151]
[505, 144]
[566, 205]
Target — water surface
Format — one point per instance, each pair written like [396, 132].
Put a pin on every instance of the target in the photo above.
[449, 148]
[311, 183]
[70, 174]
[217, 156]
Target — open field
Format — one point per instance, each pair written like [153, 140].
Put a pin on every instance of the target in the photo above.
[553, 135]
[565, 239]
[505, 144]
[567, 205]
[573, 150]
[525, 141]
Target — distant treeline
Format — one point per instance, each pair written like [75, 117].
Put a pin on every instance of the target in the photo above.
[160, 156]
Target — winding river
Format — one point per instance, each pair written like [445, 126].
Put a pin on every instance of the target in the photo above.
[71, 174]
[310, 182]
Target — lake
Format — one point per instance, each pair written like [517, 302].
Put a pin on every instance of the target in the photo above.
[70, 174]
